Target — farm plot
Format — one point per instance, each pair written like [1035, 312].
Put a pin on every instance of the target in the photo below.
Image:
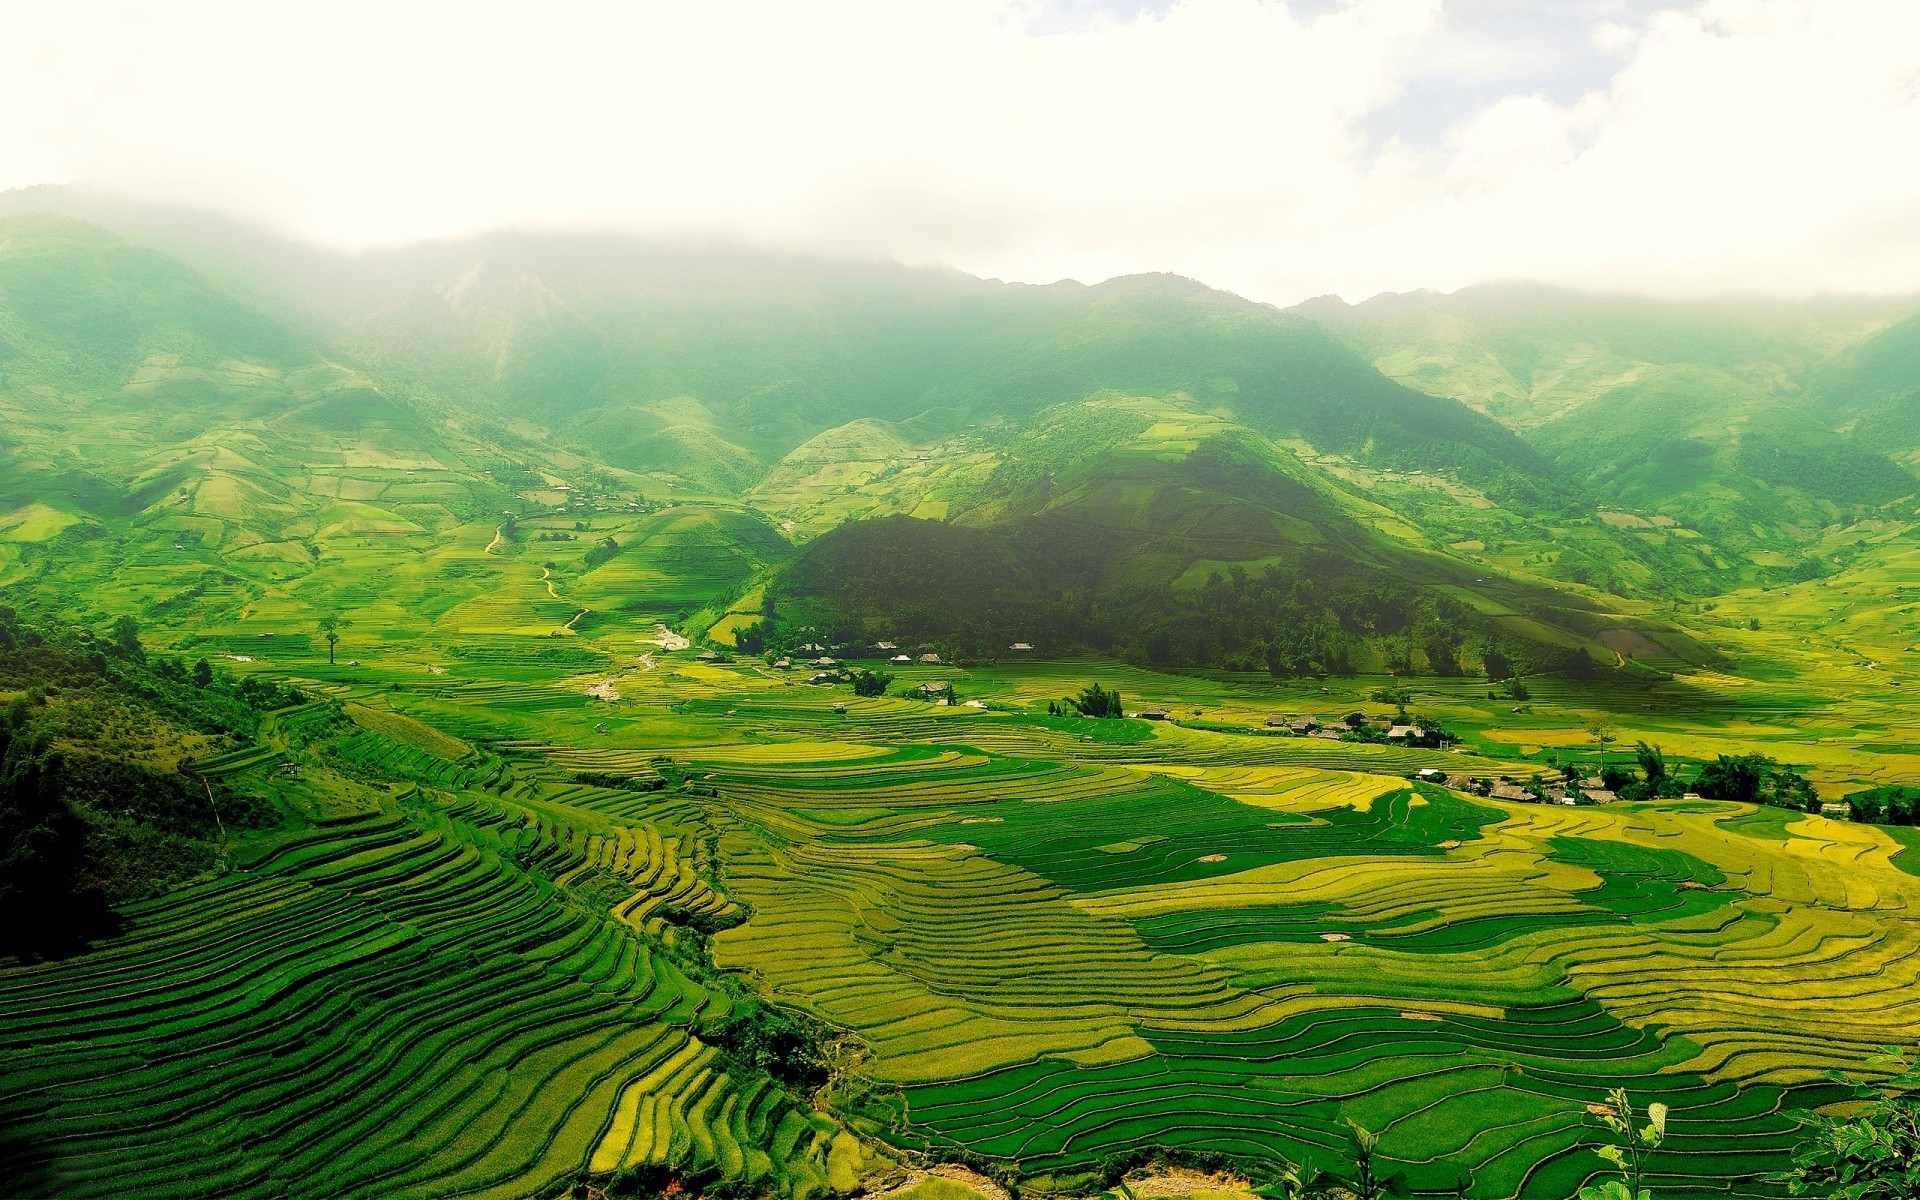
[419, 1003]
[1055, 963]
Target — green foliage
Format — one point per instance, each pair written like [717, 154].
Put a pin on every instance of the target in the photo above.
[1872, 1152]
[1628, 1152]
[602, 552]
[786, 1045]
[1096, 701]
[45, 907]
[1895, 804]
[871, 683]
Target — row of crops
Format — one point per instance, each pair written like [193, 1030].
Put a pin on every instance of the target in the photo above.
[470, 993]
[1055, 939]
[1056, 963]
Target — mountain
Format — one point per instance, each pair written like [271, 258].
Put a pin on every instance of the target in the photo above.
[1176, 539]
[548, 433]
[1527, 353]
[1705, 428]
[1873, 389]
[1697, 447]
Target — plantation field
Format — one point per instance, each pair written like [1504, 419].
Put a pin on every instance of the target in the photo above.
[465, 970]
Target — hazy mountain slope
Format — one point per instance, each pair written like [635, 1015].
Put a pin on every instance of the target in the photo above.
[1721, 457]
[588, 338]
[1528, 353]
[1873, 389]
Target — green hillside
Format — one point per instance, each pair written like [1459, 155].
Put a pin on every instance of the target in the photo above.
[1527, 353]
[1146, 531]
[1873, 389]
[1728, 460]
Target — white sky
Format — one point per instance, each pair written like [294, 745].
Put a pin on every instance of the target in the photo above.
[1281, 149]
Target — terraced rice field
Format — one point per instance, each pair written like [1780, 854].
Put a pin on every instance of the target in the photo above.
[1051, 941]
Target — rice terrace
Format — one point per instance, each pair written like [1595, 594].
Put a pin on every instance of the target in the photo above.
[766, 602]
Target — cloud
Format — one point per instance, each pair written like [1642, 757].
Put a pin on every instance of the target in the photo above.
[1281, 150]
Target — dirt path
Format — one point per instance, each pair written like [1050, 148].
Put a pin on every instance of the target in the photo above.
[495, 541]
[546, 577]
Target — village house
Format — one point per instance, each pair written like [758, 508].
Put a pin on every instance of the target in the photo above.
[932, 660]
[1021, 646]
[1152, 714]
[1506, 790]
[1304, 725]
[900, 660]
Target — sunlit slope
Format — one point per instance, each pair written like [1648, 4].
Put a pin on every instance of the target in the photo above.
[470, 993]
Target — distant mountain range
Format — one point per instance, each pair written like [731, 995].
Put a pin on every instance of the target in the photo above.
[1145, 466]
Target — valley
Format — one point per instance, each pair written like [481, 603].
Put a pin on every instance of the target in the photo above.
[553, 880]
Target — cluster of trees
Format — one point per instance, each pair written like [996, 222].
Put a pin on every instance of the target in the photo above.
[46, 906]
[1748, 778]
[83, 823]
[1896, 805]
[871, 683]
[1091, 701]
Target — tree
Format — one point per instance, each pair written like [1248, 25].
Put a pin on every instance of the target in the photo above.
[202, 673]
[330, 626]
[1498, 665]
[1736, 777]
[1873, 1152]
[1653, 764]
[1096, 701]
[126, 639]
[1398, 697]
[1602, 736]
[44, 909]
[871, 683]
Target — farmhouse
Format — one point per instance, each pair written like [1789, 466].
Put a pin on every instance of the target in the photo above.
[783, 664]
[930, 659]
[900, 660]
[885, 646]
[1504, 790]
[1400, 733]
[1278, 721]
[708, 656]
[933, 689]
[1152, 714]
[1021, 646]
[1305, 725]
[824, 677]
